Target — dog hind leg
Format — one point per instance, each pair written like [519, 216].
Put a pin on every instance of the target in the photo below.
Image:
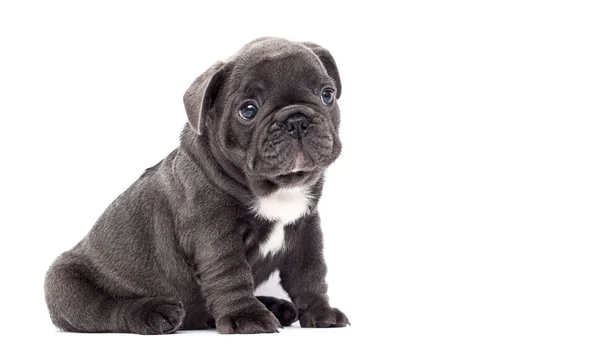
[77, 304]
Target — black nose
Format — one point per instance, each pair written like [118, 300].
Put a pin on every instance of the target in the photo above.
[297, 125]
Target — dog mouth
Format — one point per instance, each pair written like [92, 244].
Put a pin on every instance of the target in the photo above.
[293, 177]
[301, 170]
[302, 166]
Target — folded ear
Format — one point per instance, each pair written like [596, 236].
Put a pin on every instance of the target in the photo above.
[201, 95]
[329, 63]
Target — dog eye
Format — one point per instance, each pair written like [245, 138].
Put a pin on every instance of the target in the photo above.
[327, 96]
[248, 111]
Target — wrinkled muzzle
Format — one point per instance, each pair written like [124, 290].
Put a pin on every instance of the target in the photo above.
[294, 143]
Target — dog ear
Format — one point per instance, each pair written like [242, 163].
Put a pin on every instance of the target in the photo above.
[200, 96]
[329, 63]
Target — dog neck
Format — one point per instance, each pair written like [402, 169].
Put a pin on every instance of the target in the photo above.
[222, 175]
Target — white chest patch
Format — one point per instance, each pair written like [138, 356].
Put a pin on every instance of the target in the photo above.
[282, 207]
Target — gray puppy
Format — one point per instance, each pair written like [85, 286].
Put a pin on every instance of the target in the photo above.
[185, 246]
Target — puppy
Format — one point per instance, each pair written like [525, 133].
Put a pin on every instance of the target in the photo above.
[185, 246]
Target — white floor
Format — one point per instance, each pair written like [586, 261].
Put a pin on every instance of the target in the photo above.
[292, 344]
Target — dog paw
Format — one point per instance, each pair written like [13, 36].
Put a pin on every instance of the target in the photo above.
[323, 317]
[248, 322]
[157, 316]
[284, 310]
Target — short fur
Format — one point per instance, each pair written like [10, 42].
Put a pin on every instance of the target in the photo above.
[180, 248]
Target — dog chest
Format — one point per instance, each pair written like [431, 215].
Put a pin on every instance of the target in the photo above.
[282, 207]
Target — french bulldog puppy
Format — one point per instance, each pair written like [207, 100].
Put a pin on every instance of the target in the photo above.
[185, 246]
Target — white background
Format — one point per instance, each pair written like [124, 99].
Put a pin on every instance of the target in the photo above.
[462, 221]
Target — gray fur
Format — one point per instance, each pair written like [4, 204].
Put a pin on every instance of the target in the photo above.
[179, 249]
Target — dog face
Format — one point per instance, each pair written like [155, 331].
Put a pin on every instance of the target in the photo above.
[271, 110]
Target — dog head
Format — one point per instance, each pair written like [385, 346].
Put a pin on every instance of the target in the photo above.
[271, 111]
